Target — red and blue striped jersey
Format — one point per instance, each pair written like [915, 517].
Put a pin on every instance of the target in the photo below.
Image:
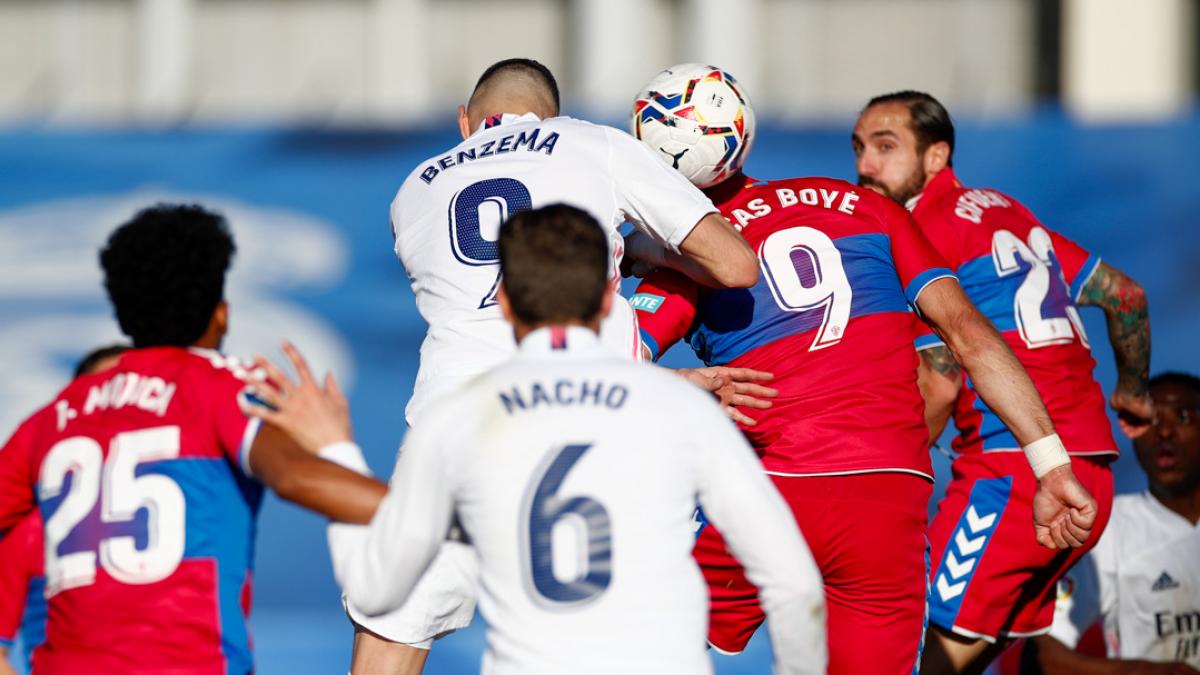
[830, 316]
[22, 586]
[1026, 279]
[140, 477]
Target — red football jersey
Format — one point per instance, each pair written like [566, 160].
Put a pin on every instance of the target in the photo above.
[20, 570]
[829, 316]
[140, 475]
[1025, 278]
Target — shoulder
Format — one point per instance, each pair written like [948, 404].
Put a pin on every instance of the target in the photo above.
[213, 371]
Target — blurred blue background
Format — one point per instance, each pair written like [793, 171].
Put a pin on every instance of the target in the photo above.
[310, 210]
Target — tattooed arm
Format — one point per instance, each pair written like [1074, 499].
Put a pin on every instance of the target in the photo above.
[939, 376]
[1125, 310]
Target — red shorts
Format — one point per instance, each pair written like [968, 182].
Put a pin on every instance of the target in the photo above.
[867, 534]
[992, 579]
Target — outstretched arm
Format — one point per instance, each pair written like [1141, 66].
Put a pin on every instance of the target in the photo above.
[713, 254]
[302, 419]
[1064, 512]
[1126, 311]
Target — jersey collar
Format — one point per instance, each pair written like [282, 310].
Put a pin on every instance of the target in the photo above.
[552, 340]
[1167, 514]
[942, 183]
[505, 118]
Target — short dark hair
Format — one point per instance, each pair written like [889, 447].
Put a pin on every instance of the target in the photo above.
[165, 273]
[554, 264]
[527, 67]
[1175, 377]
[929, 119]
[87, 365]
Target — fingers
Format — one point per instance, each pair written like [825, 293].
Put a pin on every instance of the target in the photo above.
[267, 395]
[1085, 514]
[739, 417]
[755, 390]
[1056, 535]
[301, 366]
[275, 377]
[1043, 536]
[334, 390]
[1132, 430]
[745, 374]
[750, 402]
[1075, 534]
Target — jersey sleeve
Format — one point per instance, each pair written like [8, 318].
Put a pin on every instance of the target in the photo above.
[1078, 604]
[235, 429]
[665, 303]
[16, 477]
[655, 197]
[20, 550]
[379, 564]
[1077, 263]
[918, 262]
[759, 528]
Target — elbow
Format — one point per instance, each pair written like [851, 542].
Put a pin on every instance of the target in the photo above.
[740, 270]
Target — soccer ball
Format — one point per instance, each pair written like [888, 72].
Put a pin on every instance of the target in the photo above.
[698, 119]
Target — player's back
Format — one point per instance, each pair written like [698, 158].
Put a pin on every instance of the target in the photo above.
[1025, 278]
[447, 214]
[576, 484]
[149, 517]
[829, 318]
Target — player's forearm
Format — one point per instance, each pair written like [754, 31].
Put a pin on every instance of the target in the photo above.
[326, 488]
[714, 254]
[1000, 379]
[1055, 658]
[1127, 313]
[996, 374]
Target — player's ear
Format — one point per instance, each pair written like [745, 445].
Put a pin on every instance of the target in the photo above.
[218, 325]
[937, 157]
[503, 301]
[221, 318]
[464, 124]
[606, 305]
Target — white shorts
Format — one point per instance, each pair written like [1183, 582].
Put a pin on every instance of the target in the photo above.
[442, 601]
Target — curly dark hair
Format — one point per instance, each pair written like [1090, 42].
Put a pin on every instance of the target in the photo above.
[165, 273]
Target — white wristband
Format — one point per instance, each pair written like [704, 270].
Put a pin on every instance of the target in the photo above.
[346, 454]
[1046, 454]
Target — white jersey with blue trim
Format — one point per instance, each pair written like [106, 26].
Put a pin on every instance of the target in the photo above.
[1143, 579]
[575, 474]
[447, 214]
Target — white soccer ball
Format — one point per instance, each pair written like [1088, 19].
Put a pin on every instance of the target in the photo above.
[698, 119]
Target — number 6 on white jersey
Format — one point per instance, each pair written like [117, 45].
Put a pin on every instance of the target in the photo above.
[804, 271]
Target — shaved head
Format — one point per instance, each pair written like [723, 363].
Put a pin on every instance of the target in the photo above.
[515, 86]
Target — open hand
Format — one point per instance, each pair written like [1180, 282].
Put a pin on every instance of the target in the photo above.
[312, 415]
[734, 388]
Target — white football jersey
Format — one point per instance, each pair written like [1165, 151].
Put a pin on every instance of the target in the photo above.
[1143, 578]
[575, 474]
[447, 215]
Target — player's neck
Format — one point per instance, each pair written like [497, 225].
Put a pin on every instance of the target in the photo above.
[1186, 503]
[521, 330]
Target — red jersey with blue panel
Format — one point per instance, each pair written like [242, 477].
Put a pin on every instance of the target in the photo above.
[1025, 278]
[141, 479]
[830, 317]
[991, 578]
[22, 588]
